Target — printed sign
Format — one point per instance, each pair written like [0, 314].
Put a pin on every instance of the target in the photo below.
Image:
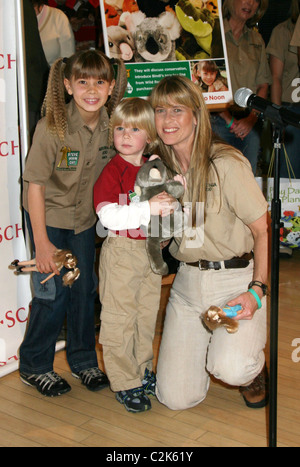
[160, 38]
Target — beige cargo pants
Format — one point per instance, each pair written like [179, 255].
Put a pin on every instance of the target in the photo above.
[130, 298]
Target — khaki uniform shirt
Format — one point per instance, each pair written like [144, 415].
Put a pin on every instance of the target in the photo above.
[279, 46]
[234, 200]
[248, 63]
[68, 170]
[295, 41]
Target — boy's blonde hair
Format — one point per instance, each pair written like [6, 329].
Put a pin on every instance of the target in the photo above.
[135, 112]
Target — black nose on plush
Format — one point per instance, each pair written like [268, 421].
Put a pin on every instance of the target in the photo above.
[151, 46]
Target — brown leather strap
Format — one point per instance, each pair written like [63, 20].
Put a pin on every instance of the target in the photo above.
[233, 263]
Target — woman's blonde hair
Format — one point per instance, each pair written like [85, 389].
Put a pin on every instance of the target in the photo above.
[228, 10]
[83, 64]
[182, 91]
[135, 112]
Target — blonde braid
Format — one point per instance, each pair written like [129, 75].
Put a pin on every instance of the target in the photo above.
[54, 105]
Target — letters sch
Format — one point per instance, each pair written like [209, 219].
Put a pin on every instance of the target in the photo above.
[8, 148]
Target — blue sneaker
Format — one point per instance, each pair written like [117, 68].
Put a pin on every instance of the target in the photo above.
[134, 400]
[149, 382]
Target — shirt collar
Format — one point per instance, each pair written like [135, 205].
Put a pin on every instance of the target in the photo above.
[75, 122]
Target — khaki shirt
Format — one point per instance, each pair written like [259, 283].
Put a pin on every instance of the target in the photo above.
[279, 46]
[69, 170]
[248, 63]
[234, 200]
[295, 41]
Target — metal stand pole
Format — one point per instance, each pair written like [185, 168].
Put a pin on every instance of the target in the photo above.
[276, 216]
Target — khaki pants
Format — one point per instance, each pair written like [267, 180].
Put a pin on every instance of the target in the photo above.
[130, 297]
[189, 353]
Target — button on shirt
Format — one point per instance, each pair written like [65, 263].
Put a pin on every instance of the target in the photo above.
[68, 170]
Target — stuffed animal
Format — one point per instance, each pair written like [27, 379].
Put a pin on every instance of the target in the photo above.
[201, 37]
[62, 258]
[156, 7]
[216, 317]
[151, 180]
[154, 38]
[120, 42]
[114, 9]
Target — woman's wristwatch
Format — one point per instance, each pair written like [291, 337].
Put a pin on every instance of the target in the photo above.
[263, 286]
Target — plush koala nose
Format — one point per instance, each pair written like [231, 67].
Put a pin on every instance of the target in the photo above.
[151, 46]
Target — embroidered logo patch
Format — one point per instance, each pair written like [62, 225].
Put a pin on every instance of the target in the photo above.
[69, 159]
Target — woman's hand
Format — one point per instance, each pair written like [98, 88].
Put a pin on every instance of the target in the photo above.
[242, 127]
[248, 303]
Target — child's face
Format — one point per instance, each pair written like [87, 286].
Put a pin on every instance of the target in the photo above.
[208, 77]
[130, 142]
[90, 94]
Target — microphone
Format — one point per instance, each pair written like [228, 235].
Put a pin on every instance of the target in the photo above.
[244, 97]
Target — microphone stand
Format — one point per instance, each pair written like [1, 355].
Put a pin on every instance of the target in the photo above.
[276, 216]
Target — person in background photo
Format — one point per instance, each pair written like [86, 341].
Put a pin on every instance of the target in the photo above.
[249, 67]
[208, 76]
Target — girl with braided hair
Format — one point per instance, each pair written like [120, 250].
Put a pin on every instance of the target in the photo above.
[68, 153]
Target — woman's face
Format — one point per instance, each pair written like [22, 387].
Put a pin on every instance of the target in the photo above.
[245, 9]
[175, 126]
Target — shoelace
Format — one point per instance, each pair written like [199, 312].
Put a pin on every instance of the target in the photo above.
[48, 379]
[89, 374]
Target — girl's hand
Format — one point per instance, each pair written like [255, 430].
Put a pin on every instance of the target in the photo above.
[44, 259]
[162, 204]
[248, 303]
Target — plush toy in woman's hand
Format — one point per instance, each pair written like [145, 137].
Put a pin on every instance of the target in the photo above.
[62, 258]
[215, 317]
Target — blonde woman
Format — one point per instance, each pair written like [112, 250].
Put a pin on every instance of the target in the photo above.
[222, 261]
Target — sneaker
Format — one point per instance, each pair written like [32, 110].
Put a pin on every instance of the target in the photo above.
[49, 384]
[93, 378]
[134, 400]
[149, 382]
[256, 395]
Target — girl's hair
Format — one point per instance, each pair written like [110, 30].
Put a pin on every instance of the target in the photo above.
[180, 90]
[228, 10]
[135, 112]
[83, 64]
[206, 65]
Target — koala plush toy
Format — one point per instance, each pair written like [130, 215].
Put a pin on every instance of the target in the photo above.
[150, 181]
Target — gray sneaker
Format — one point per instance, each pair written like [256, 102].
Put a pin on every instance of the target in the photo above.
[49, 384]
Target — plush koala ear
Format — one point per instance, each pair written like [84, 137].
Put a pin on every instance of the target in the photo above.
[170, 22]
[137, 190]
[133, 20]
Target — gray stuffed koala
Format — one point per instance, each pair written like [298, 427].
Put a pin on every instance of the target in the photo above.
[150, 181]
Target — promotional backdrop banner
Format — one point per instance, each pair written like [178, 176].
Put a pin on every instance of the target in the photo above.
[15, 292]
[157, 38]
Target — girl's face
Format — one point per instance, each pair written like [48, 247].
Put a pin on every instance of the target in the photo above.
[175, 126]
[208, 77]
[130, 142]
[245, 9]
[90, 94]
